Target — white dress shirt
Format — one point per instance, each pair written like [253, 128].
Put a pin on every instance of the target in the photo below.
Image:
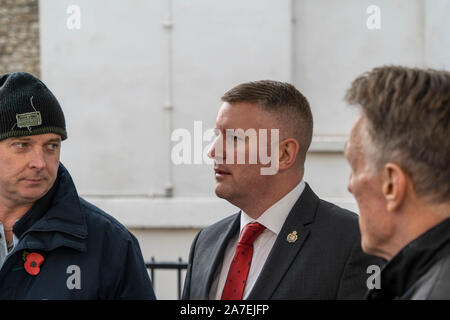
[273, 219]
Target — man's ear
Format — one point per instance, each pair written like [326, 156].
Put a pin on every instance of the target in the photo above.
[394, 186]
[288, 152]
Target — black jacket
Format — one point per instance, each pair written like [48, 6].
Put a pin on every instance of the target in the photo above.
[421, 270]
[325, 262]
[87, 253]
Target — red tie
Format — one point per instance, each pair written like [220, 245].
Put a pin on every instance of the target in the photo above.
[242, 260]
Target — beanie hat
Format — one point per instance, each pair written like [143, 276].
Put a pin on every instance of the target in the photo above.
[27, 107]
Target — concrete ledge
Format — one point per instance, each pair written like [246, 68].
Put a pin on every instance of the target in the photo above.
[327, 144]
[176, 213]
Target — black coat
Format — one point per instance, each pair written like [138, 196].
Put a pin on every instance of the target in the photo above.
[325, 262]
[87, 253]
[421, 270]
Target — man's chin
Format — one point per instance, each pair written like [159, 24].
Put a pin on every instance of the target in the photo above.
[371, 249]
[219, 193]
[222, 191]
[33, 194]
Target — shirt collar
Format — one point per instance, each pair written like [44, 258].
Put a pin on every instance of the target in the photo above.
[274, 217]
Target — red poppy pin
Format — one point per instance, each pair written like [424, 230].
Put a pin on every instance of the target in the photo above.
[33, 262]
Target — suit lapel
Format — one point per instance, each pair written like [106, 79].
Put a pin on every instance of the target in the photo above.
[213, 259]
[284, 252]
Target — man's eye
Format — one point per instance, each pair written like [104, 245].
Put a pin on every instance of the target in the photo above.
[20, 145]
[232, 138]
[53, 146]
[238, 138]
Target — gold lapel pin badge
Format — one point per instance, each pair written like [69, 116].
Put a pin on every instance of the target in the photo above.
[292, 237]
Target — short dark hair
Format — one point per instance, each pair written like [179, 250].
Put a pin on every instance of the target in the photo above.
[408, 113]
[283, 100]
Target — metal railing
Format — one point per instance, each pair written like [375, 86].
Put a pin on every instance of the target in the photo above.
[179, 266]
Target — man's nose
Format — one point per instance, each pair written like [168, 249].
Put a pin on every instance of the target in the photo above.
[37, 159]
[349, 184]
[211, 152]
[216, 151]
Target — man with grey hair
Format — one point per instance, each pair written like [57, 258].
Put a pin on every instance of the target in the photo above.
[399, 152]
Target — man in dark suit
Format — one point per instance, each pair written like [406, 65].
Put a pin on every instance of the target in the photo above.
[285, 243]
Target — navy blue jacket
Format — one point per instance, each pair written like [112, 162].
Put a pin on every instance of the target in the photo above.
[87, 253]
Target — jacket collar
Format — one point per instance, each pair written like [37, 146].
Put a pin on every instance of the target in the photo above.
[54, 220]
[212, 259]
[413, 261]
[283, 253]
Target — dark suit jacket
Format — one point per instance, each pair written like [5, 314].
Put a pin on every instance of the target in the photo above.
[326, 262]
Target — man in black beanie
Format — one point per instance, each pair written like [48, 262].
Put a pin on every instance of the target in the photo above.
[54, 244]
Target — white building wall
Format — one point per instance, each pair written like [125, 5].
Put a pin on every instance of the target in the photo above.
[137, 70]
